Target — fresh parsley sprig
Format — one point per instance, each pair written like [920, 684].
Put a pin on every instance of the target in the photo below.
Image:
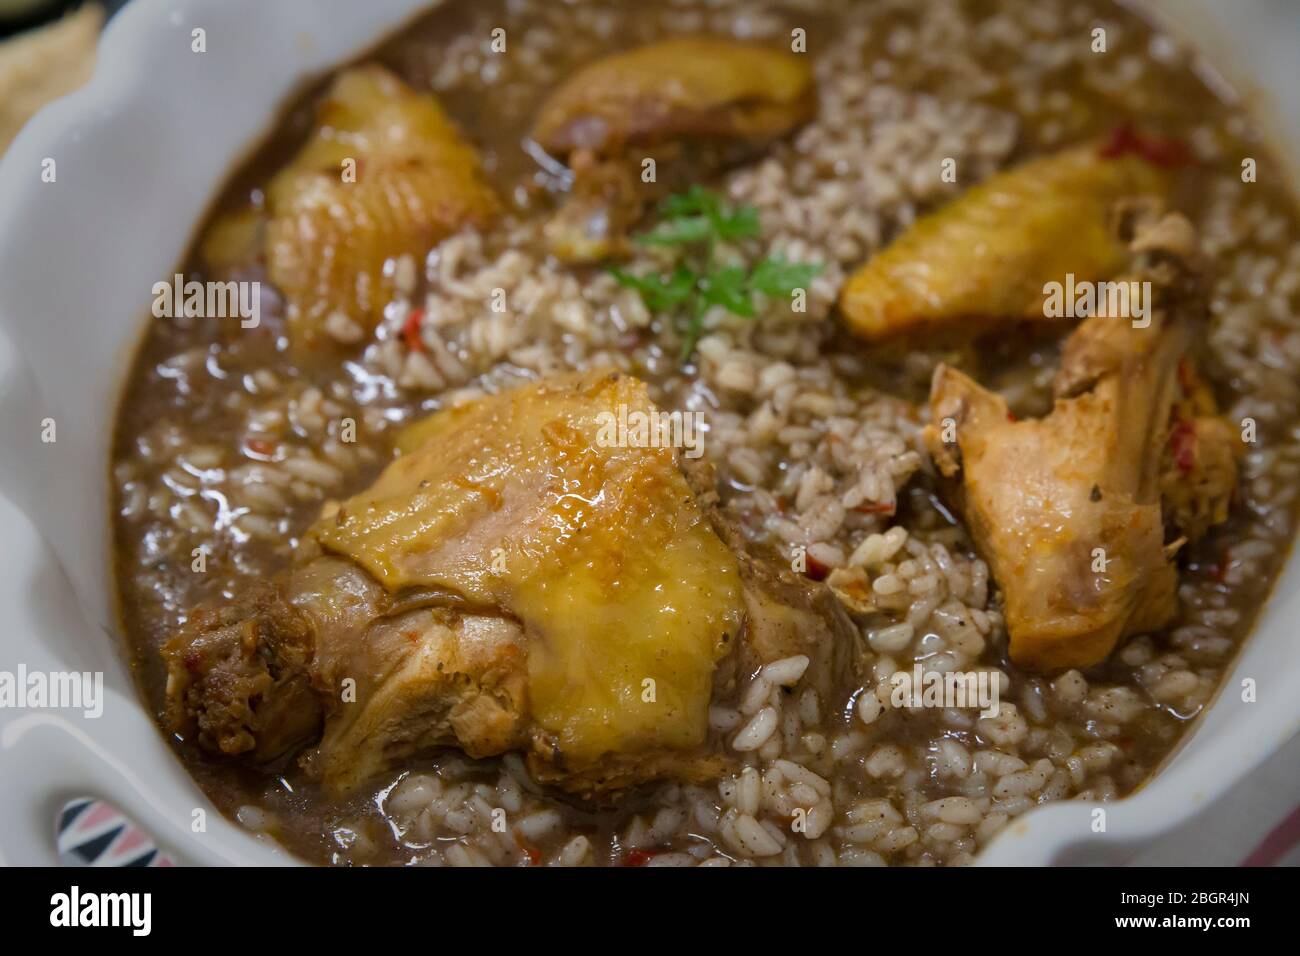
[700, 215]
[698, 220]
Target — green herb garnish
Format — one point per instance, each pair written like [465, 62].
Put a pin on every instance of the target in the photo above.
[698, 219]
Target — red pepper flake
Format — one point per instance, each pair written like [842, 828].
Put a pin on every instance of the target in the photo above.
[816, 570]
[1011, 417]
[638, 857]
[260, 447]
[1220, 570]
[530, 852]
[876, 507]
[1164, 152]
[1182, 442]
[411, 330]
[193, 662]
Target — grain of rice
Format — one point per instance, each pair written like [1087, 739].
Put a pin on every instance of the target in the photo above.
[755, 733]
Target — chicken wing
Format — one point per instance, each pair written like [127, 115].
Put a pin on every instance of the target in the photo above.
[383, 173]
[988, 254]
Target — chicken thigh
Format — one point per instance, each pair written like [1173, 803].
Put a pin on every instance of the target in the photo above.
[517, 579]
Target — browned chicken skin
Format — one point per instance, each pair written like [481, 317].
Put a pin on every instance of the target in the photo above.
[383, 173]
[689, 103]
[507, 584]
[1079, 513]
[984, 257]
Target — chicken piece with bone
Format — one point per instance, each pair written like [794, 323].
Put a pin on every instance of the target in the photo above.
[384, 173]
[984, 257]
[512, 581]
[689, 103]
[1080, 513]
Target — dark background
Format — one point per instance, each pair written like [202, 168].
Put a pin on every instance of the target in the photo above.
[52, 10]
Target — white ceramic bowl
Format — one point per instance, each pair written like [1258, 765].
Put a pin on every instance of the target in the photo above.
[139, 154]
